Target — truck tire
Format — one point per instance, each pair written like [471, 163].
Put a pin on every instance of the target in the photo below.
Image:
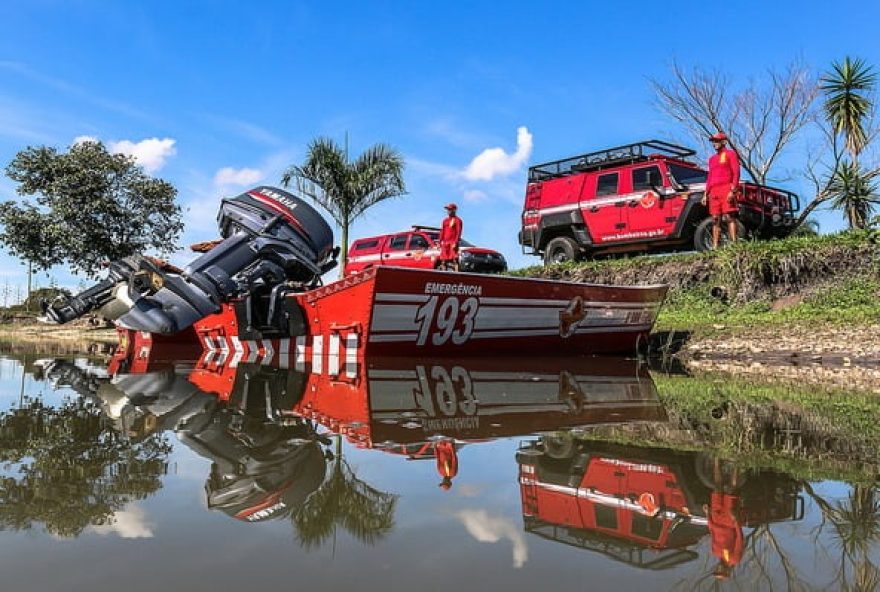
[559, 445]
[561, 249]
[703, 234]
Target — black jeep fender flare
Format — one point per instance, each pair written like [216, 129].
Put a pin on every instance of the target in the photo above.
[569, 224]
[692, 214]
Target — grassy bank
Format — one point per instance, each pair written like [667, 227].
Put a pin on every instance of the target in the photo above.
[830, 279]
[810, 434]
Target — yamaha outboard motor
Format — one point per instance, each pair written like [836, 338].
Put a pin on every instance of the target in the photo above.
[271, 240]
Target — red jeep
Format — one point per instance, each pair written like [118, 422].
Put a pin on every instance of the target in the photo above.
[418, 248]
[639, 197]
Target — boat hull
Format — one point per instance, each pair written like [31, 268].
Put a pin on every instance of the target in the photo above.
[408, 312]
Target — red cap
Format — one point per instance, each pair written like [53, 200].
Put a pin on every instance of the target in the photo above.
[451, 206]
[719, 136]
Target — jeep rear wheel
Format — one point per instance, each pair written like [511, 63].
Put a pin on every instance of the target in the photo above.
[703, 234]
[561, 249]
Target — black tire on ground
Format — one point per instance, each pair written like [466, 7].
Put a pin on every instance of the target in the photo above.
[561, 249]
[703, 234]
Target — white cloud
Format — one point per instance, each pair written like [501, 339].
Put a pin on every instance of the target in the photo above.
[238, 177]
[495, 162]
[83, 139]
[491, 529]
[151, 153]
[475, 196]
[127, 524]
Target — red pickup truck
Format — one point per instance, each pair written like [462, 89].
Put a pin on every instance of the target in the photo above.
[418, 248]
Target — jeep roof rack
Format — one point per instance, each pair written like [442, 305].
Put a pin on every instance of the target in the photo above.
[601, 159]
[418, 227]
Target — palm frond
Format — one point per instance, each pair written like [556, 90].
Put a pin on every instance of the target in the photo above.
[855, 192]
[363, 511]
[345, 189]
[848, 102]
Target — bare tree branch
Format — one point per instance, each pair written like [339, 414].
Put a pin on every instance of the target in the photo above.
[761, 120]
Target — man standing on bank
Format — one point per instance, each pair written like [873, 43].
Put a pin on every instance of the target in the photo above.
[722, 186]
[450, 236]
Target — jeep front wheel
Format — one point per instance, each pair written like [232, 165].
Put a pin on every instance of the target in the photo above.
[703, 234]
[561, 249]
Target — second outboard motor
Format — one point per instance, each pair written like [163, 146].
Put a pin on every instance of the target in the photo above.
[270, 238]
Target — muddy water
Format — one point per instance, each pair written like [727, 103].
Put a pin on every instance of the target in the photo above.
[426, 475]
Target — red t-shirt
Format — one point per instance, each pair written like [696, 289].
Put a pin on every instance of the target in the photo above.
[447, 459]
[450, 232]
[727, 536]
[723, 169]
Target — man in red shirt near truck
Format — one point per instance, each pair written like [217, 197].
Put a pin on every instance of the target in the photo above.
[450, 235]
[722, 185]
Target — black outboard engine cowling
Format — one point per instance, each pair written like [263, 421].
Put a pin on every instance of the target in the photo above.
[270, 237]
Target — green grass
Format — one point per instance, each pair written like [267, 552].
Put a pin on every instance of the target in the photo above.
[840, 427]
[854, 301]
[837, 274]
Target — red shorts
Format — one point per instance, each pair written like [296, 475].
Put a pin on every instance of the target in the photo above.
[448, 252]
[718, 202]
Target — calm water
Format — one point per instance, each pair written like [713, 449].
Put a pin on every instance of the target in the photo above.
[401, 475]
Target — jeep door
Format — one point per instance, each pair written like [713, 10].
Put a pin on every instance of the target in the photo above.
[602, 208]
[652, 206]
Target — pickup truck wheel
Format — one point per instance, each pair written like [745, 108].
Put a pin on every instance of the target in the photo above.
[703, 234]
[561, 249]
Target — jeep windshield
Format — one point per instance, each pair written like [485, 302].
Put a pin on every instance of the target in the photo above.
[435, 238]
[687, 175]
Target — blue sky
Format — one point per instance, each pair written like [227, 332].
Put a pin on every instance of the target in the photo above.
[218, 96]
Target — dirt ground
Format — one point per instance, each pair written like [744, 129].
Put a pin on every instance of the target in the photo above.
[829, 356]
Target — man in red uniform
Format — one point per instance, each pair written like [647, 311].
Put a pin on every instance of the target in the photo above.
[447, 462]
[722, 185]
[727, 535]
[450, 235]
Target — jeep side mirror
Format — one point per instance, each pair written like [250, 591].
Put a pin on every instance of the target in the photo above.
[655, 182]
[674, 182]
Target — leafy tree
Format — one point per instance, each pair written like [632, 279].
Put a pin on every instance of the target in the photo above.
[94, 206]
[66, 468]
[30, 235]
[347, 188]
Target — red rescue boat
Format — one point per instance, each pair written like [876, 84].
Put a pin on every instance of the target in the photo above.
[390, 311]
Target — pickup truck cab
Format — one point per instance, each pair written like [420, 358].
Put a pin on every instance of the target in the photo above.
[418, 248]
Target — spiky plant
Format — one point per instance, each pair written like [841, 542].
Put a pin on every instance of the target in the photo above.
[854, 192]
[848, 102]
[346, 188]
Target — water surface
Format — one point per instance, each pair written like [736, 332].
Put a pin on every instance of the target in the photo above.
[400, 475]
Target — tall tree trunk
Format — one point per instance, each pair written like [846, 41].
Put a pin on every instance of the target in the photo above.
[30, 272]
[343, 251]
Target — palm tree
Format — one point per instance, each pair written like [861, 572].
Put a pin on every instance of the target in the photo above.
[848, 105]
[855, 192]
[347, 188]
[344, 500]
[848, 102]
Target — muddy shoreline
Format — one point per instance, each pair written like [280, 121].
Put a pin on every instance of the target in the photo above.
[844, 357]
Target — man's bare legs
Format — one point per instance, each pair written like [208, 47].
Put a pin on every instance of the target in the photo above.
[731, 228]
[716, 231]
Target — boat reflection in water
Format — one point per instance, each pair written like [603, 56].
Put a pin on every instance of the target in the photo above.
[265, 423]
